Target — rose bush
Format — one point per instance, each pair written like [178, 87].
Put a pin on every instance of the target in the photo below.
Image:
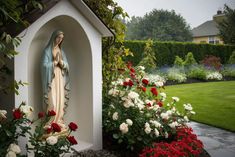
[138, 114]
[43, 142]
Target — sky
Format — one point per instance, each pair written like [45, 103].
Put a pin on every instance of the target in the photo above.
[195, 12]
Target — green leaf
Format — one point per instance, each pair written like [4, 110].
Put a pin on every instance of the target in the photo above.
[115, 136]
[9, 133]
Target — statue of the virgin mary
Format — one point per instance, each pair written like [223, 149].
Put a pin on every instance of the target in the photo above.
[55, 79]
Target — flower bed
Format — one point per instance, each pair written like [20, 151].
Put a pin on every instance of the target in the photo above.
[137, 114]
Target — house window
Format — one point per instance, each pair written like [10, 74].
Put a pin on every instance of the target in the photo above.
[212, 40]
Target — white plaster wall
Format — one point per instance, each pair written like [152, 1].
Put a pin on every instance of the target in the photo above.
[82, 46]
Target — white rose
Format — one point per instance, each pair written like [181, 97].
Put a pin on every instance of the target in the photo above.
[147, 130]
[128, 103]
[164, 116]
[11, 154]
[176, 99]
[166, 135]
[52, 140]
[113, 92]
[26, 109]
[3, 114]
[173, 125]
[141, 67]
[124, 128]
[156, 132]
[133, 95]
[159, 84]
[115, 116]
[129, 122]
[146, 125]
[188, 107]
[14, 148]
[156, 123]
[169, 112]
[186, 118]
[162, 94]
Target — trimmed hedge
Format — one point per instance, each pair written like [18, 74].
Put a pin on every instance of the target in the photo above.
[166, 51]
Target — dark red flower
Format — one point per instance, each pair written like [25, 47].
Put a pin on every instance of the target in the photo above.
[143, 89]
[72, 140]
[17, 114]
[148, 105]
[145, 81]
[40, 114]
[51, 113]
[132, 75]
[160, 103]
[154, 91]
[130, 83]
[49, 130]
[56, 127]
[73, 126]
[125, 84]
[132, 70]
[129, 65]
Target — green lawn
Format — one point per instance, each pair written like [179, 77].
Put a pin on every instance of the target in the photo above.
[213, 102]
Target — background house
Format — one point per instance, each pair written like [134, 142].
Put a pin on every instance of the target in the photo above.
[208, 31]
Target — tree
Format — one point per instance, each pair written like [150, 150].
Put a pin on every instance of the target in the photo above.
[160, 25]
[226, 27]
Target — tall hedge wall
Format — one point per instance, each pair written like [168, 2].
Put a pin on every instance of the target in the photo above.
[166, 51]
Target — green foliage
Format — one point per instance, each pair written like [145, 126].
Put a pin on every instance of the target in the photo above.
[226, 27]
[174, 74]
[165, 52]
[228, 71]
[112, 55]
[149, 59]
[178, 61]
[232, 58]
[197, 72]
[189, 59]
[160, 25]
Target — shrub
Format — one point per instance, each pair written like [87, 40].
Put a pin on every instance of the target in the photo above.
[214, 76]
[174, 74]
[189, 59]
[228, 71]
[212, 62]
[149, 59]
[232, 58]
[197, 72]
[178, 61]
[137, 114]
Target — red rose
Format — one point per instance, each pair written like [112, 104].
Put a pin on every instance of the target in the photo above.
[49, 130]
[130, 83]
[148, 105]
[40, 114]
[17, 114]
[145, 81]
[72, 140]
[125, 84]
[129, 65]
[160, 103]
[56, 127]
[51, 113]
[73, 126]
[143, 89]
[154, 91]
[132, 70]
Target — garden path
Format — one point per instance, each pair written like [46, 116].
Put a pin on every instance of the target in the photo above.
[217, 142]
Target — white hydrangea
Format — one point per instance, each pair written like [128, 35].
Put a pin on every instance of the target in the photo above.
[129, 122]
[123, 128]
[3, 114]
[188, 107]
[115, 116]
[14, 148]
[214, 76]
[51, 140]
[156, 132]
[176, 99]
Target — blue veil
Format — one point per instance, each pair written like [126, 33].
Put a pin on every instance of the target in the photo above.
[47, 69]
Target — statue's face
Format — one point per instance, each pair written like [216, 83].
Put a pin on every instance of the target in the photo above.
[59, 39]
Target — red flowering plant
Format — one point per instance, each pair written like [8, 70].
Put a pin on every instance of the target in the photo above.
[13, 127]
[185, 143]
[138, 115]
[51, 141]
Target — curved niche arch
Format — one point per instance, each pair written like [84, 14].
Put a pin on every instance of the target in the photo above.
[78, 51]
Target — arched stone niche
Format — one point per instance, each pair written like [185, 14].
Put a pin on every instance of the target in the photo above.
[82, 45]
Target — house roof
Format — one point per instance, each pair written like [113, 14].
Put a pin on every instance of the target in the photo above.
[208, 28]
[84, 9]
